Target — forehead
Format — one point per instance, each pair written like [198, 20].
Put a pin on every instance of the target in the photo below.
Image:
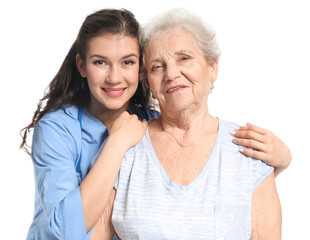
[113, 44]
[170, 43]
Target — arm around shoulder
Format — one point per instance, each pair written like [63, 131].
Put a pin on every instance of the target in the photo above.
[266, 211]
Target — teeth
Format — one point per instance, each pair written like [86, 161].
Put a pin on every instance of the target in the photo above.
[173, 89]
[106, 90]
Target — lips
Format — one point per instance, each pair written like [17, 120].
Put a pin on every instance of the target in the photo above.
[175, 89]
[114, 92]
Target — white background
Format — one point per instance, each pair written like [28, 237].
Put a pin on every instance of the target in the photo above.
[263, 79]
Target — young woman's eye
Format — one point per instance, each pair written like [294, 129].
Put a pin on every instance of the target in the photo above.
[99, 62]
[129, 62]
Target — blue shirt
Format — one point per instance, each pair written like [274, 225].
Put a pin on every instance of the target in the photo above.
[58, 145]
[215, 205]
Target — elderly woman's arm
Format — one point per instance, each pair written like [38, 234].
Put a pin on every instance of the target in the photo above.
[104, 230]
[266, 211]
[268, 147]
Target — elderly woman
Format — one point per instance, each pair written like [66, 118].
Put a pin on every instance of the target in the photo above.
[186, 179]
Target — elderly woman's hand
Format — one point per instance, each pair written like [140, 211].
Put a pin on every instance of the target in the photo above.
[267, 146]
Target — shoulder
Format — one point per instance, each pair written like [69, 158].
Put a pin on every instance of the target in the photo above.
[66, 116]
[57, 135]
[65, 113]
[224, 132]
[232, 158]
[59, 124]
[136, 156]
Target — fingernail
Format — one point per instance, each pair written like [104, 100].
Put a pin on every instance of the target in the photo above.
[237, 128]
[241, 150]
[235, 140]
[233, 133]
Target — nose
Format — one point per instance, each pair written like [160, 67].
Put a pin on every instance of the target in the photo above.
[114, 76]
[172, 72]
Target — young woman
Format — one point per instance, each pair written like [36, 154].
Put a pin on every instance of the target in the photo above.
[70, 128]
[96, 94]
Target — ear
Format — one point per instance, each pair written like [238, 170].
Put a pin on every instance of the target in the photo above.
[214, 71]
[153, 96]
[80, 65]
[148, 85]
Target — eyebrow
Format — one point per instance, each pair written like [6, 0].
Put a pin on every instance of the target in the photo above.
[104, 57]
[181, 52]
[178, 53]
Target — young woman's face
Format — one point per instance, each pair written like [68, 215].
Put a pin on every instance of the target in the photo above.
[112, 71]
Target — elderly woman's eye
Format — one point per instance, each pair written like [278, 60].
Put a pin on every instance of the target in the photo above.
[156, 67]
[184, 58]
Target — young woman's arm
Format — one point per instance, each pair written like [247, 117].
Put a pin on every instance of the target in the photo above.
[268, 147]
[266, 211]
[96, 188]
[71, 209]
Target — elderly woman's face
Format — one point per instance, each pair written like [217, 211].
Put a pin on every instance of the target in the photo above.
[178, 73]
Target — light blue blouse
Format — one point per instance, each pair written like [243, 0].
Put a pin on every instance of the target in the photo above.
[58, 145]
[215, 205]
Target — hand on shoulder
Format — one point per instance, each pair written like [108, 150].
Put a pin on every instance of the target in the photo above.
[127, 129]
[267, 146]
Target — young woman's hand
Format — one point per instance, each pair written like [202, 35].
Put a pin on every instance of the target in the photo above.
[127, 130]
[267, 146]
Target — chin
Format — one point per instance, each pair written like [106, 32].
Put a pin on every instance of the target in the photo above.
[115, 107]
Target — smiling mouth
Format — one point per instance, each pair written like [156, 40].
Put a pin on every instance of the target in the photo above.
[174, 89]
[113, 90]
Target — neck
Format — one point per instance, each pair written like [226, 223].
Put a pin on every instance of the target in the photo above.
[186, 128]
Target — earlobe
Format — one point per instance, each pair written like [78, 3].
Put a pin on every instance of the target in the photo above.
[80, 65]
[214, 71]
[153, 96]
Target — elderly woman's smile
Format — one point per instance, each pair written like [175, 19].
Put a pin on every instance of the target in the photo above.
[175, 89]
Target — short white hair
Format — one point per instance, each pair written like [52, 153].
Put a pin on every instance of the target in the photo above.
[203, 33]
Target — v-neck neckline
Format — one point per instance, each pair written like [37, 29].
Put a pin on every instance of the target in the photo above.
[202, 173]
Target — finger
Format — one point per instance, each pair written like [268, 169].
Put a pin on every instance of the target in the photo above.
[252, 127]
[250, 144]
[257, 128]
[255, 154]
[248, 135]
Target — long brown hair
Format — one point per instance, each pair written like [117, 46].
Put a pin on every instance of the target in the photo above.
[68, 87]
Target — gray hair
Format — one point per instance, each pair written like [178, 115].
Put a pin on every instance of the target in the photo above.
[203, 33]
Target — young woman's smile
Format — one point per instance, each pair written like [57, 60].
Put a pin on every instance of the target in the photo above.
[112, 71]
[114, 92]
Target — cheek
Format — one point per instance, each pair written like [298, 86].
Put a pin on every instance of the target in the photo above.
[152, 81]
[199, 76]
[133, 76]
[94, 75]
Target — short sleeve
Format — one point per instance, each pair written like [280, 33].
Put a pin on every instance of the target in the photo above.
[260, 171]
